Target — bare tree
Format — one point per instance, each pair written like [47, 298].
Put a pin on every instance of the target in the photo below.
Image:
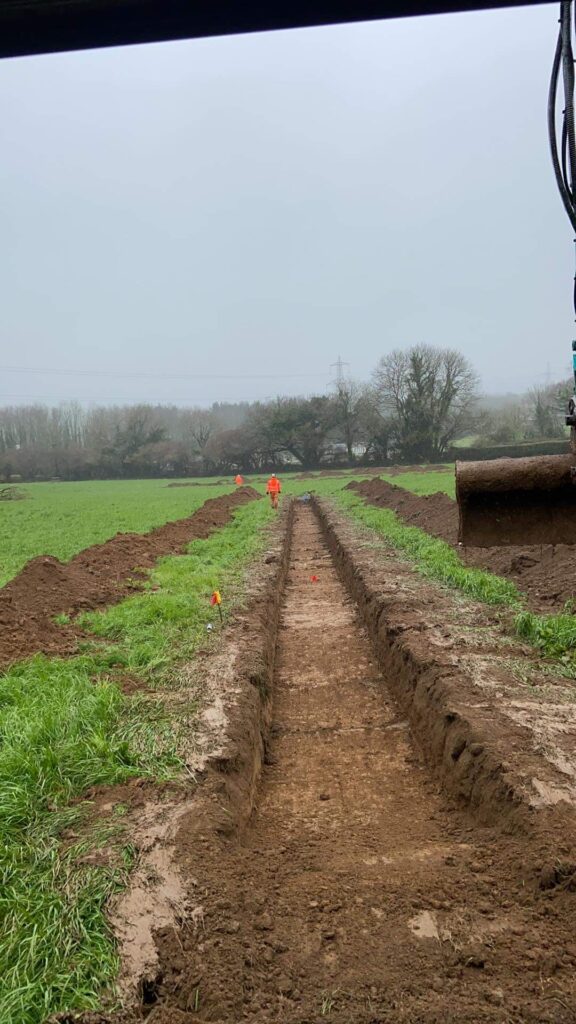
[349, 402]
[547, 408]
[428, 396]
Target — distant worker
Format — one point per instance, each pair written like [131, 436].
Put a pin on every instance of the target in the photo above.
[239, 480]
[273, 488]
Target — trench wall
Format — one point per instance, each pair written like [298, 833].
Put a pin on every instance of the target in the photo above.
[232, 778]
[433, 698]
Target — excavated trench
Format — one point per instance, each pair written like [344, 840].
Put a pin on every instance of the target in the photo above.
[355, 891]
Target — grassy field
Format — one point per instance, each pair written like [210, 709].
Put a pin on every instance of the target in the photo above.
[65, 726]
[425, 483]
[61, 519]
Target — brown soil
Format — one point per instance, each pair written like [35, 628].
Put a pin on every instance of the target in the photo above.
[517, 501]
[546, 573]
[198, 483]
[355, 891]
[13, 494]
[399, 470]
[99, 575]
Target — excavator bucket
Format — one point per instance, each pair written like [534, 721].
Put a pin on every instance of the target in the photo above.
[517, 501]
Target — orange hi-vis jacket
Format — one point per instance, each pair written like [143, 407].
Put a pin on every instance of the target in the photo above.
[239, 479]
[273, 486]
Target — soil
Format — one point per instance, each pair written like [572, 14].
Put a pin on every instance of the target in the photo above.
[545, 573]
[348, 885]
[100, 575]
[198, 483]
[517, 501]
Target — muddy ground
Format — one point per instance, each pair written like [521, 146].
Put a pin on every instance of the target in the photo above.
[546, 573]
[388, 834]
[99, 575]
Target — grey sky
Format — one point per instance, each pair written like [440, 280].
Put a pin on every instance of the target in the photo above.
[257, 205]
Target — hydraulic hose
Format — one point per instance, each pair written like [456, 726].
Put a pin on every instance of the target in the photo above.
[560, 172]
[568, 77]
[564, 156]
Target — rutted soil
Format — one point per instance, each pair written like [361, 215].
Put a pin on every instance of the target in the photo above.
[546, 573]
[355, 892]
[100, 575]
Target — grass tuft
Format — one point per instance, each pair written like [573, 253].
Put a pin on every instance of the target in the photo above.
[432, 557]
[554, 635]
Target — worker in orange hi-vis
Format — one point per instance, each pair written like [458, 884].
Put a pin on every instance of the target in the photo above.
[239, 480]
[273, 488]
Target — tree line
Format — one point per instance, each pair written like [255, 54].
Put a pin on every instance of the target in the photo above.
[416, 404]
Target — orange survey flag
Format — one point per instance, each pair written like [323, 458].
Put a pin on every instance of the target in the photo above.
[216, 598]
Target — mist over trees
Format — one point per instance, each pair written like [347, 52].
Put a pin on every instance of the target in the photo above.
[417, 403]
[540, 413]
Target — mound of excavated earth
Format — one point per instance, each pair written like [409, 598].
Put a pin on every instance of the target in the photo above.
[99, 575]
[546, 573]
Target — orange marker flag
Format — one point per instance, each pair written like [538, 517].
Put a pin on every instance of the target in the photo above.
[313, 579]
[216, 600]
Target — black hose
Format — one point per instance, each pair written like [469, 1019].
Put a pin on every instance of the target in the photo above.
[564, 156]
[561, 178]
[568, 77]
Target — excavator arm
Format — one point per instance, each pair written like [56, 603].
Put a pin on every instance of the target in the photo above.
[532, 500]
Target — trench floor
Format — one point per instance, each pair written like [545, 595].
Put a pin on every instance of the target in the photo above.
[357, 893]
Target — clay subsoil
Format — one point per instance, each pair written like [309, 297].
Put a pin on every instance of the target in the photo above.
[100, 575]
[546, 573]
[334, 874]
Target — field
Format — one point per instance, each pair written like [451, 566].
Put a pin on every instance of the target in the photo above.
[62, 518]
[423, 482]
[143, 737]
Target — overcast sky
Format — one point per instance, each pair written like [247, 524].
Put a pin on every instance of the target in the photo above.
[222, 218]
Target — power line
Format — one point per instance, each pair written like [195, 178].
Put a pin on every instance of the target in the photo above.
[140, 401]
[280, 375]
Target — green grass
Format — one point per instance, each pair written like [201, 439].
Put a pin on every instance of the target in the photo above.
[466, 442]
[66, 726]
[432, 557]
[425, 483]
[63, 518]
[553, 635]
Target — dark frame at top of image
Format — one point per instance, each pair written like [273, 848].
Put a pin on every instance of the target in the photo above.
[47, 26]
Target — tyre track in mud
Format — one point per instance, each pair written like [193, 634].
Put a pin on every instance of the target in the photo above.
[356, 893]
